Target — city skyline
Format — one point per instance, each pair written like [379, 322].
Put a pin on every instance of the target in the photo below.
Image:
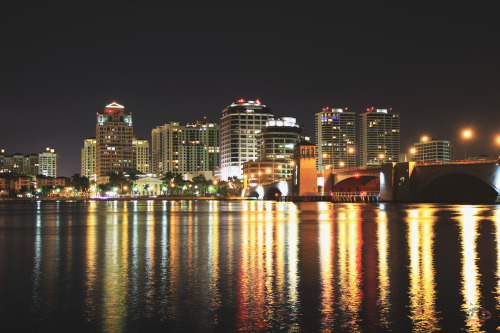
[436, 66]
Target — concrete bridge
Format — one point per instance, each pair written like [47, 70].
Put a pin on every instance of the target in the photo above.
[475, 181]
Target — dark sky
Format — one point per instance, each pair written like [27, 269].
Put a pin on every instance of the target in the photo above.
[63, 62]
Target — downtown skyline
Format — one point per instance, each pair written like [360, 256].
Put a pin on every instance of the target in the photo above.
[436, 66]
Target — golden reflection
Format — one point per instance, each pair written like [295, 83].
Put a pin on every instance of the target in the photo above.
[214, 263]
[150, 287]
[350, 241]
[175, 274]
[383, 270]
[114, 281]
[422, 285]
[90, 298]
[268, 277]
[293, 272]
[470, 275]
[326, 256]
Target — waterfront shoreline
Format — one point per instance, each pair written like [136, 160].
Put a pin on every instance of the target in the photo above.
[123, 199]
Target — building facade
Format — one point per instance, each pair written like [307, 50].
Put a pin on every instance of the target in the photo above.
[432, 150]
[43, 163]
[276, 143]
[189, 148]
[89, 159]
[379, 136]
[114, 134]
[141, 155]
[335, 138]
[240, 123]
[48, 163]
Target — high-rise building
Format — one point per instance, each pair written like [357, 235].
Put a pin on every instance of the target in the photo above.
[141, 155]
[335, 138]
[48, 163]
[33, 164]
[114, 133]
[30, 164]
[379, 136]
[89, 159]
[432, 150]
[240, 122]
[188, 148]
[276, 143]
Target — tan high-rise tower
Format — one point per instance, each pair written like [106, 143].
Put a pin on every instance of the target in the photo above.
[114, 134]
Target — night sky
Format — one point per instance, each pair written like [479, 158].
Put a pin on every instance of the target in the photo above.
[62, 62]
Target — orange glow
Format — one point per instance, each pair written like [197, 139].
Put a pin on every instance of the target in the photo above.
[424, 138]
[467, 134]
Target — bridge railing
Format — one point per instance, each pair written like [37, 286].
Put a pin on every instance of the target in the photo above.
[459, 162]
[365, 168]
[360, 193]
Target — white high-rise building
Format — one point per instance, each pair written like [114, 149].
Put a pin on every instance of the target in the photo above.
[379, 136]
[432, 150]
[48, 163]
[240, 123]
[89, 159]
[335, 138]
[189, 148]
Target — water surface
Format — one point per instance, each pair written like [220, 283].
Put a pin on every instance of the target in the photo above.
[250, 266]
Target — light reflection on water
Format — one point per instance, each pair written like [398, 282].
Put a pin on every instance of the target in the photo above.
[250, 266]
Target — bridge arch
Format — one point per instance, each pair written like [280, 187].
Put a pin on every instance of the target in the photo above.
[358, 184]
[458, 188]
[272, 193]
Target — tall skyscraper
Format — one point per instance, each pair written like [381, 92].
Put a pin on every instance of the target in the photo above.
[48, 163]
[379, 136]
[114, 133]
[141, 155]
[240, 122]
[89, 159]
[185, 148]
[335, 138]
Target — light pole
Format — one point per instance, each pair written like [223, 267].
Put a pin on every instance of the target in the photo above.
[381, 156]
[467, 135]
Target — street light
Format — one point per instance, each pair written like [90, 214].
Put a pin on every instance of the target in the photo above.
[424, 139]
[467, 135]
[413, 151]
[381, 156]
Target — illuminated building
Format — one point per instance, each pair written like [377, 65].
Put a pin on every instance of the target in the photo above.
[48, 163]
[44, 163]
[33, 164]
[276, 143]
[432, 150]
[240, 123]
[189, 148]
[379, 136]
[89, 159]
[114, 133]
[141, 155]
[335, 138]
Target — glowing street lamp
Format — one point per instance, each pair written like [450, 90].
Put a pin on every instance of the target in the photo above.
[413, 151]
[381, 156]
[467, 134]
